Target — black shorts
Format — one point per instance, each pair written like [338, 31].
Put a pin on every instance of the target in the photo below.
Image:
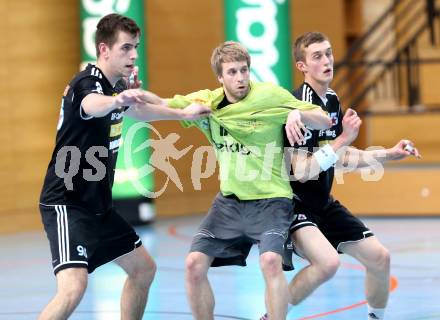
[232, 226]
[335, 222]
[79, 238]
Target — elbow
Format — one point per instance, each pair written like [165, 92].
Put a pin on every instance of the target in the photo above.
[327, 123]
[322, 123]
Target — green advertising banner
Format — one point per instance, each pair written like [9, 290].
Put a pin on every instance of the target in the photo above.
[263, 27]
[126, 189]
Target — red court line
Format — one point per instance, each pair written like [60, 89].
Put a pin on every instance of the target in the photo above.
[393, 286]
[172, 230]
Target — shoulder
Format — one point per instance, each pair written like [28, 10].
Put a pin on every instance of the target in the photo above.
[269, 88]
[332, 97]
[205, 96]
[330, 94]
[90, 71]
[304, 92]
[264, 86]
[91, 75]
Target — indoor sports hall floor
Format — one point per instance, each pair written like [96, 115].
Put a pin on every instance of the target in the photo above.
[27, 282]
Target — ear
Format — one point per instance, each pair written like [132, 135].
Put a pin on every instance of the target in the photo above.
[103, 50]
[301, 66]
[220, 79]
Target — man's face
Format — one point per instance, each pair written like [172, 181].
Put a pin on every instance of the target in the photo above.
[121, 57]
[318, 64]
[235, 80]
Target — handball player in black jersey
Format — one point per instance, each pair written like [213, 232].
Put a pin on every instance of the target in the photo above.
[83, 229]
[322, 226]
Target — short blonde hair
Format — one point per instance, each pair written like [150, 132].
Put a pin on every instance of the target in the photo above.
[229, 51]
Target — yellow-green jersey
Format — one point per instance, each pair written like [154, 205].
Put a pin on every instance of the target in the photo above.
[248, 138]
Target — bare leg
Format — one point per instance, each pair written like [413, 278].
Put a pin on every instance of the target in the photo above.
[323, 258]
[376, 259]
[71, 285]
[140, 269]
[199, 292]
[276, 285]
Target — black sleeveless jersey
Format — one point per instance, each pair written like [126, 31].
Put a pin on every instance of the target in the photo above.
[81, 170]
[316, 193]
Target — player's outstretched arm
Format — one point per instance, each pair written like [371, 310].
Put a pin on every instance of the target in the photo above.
[98, 105]
[296, 121]
[316, 119]
[307, 165]
[153, 108]
[368, 158]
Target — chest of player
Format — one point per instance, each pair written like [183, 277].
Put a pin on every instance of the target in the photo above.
[246, 137]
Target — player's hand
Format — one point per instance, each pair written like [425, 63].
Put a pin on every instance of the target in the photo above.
[295, 128]
[133, 81]
[350, 126]
[404, 148]
[130, 97]
[196, 111]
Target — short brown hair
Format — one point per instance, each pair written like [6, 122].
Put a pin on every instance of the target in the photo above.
[305, 40]
[109, 26]
[229, 51]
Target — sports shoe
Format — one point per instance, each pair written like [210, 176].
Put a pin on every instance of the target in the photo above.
[265, 317]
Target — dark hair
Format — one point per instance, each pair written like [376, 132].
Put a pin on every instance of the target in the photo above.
[305, 40]
[109, 26]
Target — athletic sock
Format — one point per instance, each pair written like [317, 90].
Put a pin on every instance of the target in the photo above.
[375, 313]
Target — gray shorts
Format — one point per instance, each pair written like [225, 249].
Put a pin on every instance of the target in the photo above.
[232, 226]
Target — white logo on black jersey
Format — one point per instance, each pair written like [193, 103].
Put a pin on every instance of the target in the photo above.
[117, 115]
[334, 118]
[307, 134]
[61, 118]
[95, 72]
[98, 88]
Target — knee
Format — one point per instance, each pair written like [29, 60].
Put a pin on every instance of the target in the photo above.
[327, 269]
[381, 261]
[143, 272]
[72, 290]
[195, 268]
[378, 262]
[271, 263]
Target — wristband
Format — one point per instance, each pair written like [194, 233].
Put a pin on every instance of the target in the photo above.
[326, 157]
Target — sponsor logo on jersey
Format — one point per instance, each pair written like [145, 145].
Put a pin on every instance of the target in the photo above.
[327, 133]
[232, 147]
[334, 118]
[114, 144]
[117, 115]
[115, 130]
[98, 88]
[249, 123]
